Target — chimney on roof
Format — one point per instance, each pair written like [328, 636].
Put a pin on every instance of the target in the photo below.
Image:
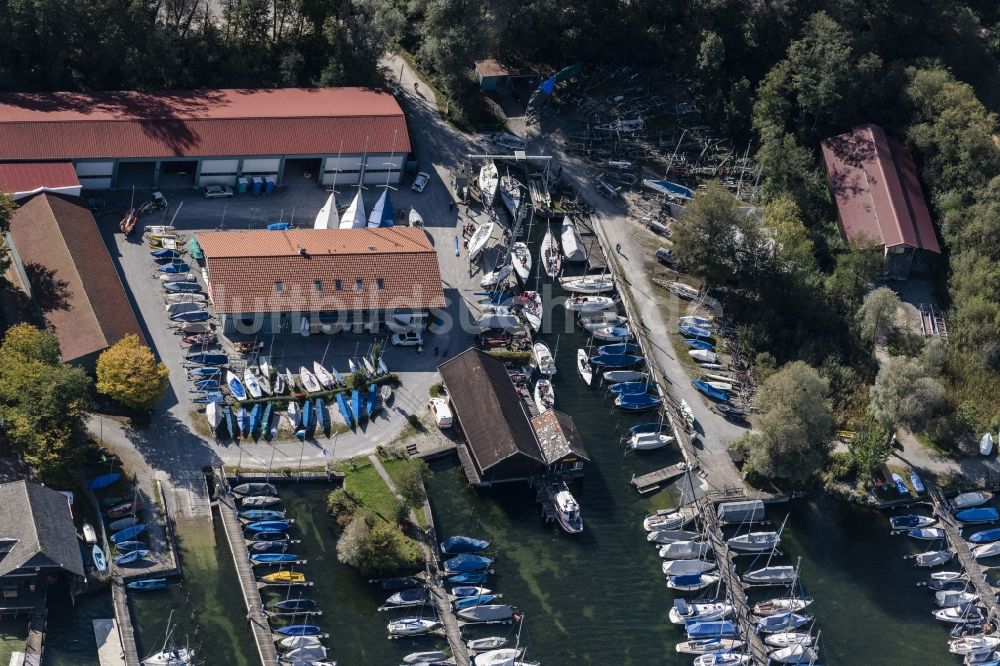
[371, 248]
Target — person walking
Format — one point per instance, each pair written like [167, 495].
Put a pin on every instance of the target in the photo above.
[618, 248]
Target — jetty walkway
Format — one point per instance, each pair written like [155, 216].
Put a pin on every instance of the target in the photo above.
[953, 529]
[124, 620]
[248, 584]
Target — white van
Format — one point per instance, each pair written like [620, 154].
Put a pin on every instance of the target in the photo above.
[442, 412]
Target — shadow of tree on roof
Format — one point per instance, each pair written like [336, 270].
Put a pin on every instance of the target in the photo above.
[50, 292]
[853, 151]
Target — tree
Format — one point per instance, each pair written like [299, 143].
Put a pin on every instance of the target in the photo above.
[852, 277]
[128, 373]
[409, 482]
[904, 395]
[372, 545]
[870, 449]
[791, 440]
[42, 402]
[876, 315]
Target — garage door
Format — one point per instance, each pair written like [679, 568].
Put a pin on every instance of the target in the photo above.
[349, 167]
[95, 175]
[261, 167]
[218, 172]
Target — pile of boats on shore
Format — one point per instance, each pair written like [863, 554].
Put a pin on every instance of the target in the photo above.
[461, 585]
[270, 549]
[974, 636]
[688, 564]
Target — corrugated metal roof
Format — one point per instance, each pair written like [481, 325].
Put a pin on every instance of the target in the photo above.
[297, 270]
[19, 177]
[284, 121]
[72, 278]
[874, 182]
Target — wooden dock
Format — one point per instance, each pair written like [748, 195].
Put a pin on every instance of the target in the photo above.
[743, 618]
[123, 618]
[450, 626]
[109, 643]
[251, 594]
[942, 509]
[650, 482]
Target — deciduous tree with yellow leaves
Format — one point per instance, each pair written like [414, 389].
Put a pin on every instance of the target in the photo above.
[128, 373]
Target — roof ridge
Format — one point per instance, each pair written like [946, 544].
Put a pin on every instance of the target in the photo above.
[882, 163]
[31, 516]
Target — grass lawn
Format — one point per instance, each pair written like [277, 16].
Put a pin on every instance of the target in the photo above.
[364, 482]
[928, 443]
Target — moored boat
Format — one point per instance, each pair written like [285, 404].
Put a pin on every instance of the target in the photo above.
[520, 258]
[550, 255]
[683, 612]
[691, 582]
[480, 237]
[583, 366]
[457, 545]
[969, 500]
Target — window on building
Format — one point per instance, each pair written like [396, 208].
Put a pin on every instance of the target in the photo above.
[577, 466]
[279, 285]
[318, 285]
[359, 285]
[379, 283]
[338, 285]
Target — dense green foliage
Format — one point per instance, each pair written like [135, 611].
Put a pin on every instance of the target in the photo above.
[42, 402]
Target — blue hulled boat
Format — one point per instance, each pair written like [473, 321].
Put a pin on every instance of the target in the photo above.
[986, 536]
[695, 343]
[900, 484]
[265, 423]
[469, 577]
[457, 545]
[467, 562]
[711, 391]
[983, 514]
[695, 332]
[147, 584]
[131, 557]
[129, 533]
[345, 410]
[129, 546]
[322, 420]
[268, 526]
[372, 404]
[624, 388]
[254, 515]
[207, 358]
[299, 630]
[104, 480]
[621, 348]
[273, 558]
[160, 255]
[308, 415]
[469, 602]
[356, 405]
[175, 267]
[719, 629]
[192, 317]
[615, 360]
[256, 416]
[636, 402]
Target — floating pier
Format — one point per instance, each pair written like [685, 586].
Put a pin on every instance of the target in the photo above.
[650, 482]
[953, 529]
[110, 650]
[248, 584]
[123, 619]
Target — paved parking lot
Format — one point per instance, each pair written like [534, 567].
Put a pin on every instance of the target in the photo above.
[173, 436]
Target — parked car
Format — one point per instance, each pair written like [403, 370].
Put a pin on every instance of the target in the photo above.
[408, 339]
[217, 191]
[665, 256]
[441, 411]
[421, 181]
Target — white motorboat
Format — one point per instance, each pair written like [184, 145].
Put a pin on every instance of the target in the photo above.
[617, 376]
[572, 244]
[669, 536]
[722, 659]
[170, 657]
[583, 366]
[544, 394]
[709, 645]
[755, 542]
[588, 284]
[648, 441]
[612, 334]
[781, 605]
[779, 575]
[589, 303]
[489, 178]
[687, 567]
[411, 626]
[948, 599]
[683, 612]
[543, 358]
[970, 500]
[480, 237]
[968, 644]
[669, 519]
[592, 321]
[308, 380]
[685, 550]
[510, 193]
[703, 355]
[934, 558]
[550, 255]
[959, 614]
[986, 445]
[415, 219]
[691, 583]
[496, 276]
[985, 550]
[499, 657]
[568, 512]
[788, 639]
[531, 309]
[292, 642]
[794, 654]
[520, 257]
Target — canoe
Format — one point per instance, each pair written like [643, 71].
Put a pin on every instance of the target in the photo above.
[104, 480]
[457, 545]
[345, 410]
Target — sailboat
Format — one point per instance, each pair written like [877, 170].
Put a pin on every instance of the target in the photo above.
[572, 244]
[250, 381]
[235, 386]
[323, 375]
[308, 380]
[531, 309]
[550, 255]
[510, 193]
[543, 358]
[213, 412]
[479, 239]
[489, 178]
[545, 395]
[520, 258]
[583, 365]
[381, 215]
[170, 656]
[354, 216]
[327, 217]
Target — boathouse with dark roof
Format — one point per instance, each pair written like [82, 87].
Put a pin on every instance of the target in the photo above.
[60, 261]
[879, 201]
[176, 139]
[560, 444]
[38, 545]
